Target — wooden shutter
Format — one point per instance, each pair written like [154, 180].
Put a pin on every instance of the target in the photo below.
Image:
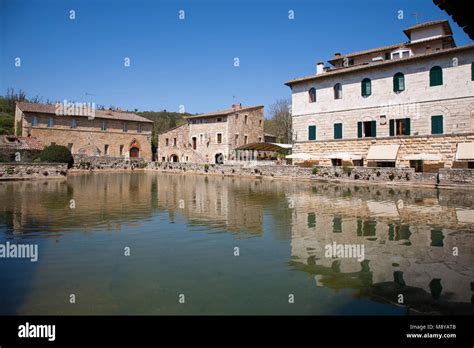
[359, 129]
[437, 124]
[392, 128]
[373, 128]
[338, 131]
[407, 126]
[312, 133]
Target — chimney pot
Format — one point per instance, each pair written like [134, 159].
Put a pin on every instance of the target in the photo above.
[337, 54]
[319, 68]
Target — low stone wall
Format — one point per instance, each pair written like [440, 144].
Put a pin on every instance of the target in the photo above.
[461, 177]
[82, 162]
[25, 171]
[224, 169]
[398, 176]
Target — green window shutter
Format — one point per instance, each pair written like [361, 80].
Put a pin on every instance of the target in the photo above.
[398, 82]
[407, 126]
[312, 133]
[373, 126]
[338, 131]
[359, 129]
[366, 87]
[437, 124]
[436, 76]
[392, 128]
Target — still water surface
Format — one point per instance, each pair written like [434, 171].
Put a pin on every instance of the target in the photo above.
[182, 232]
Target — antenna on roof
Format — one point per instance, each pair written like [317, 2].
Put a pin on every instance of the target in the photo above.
[417, 15]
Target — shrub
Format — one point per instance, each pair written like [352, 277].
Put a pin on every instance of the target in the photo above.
[206, 167]
[315, 171]
[347, 170]
[57, 154]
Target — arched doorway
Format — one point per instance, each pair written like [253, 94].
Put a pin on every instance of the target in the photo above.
[174, 158]
[134, 149]
[134, 152]
[219, 158]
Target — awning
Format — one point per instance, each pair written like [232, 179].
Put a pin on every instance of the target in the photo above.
[343, 156]
[264, 146]
[383, 153]
[465, 152]
[302, 156]
[422, 157]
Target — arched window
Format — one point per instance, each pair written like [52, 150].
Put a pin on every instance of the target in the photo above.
[436, 76]
[312, 95]
[366, 87]
[337, 91]
[398, 82]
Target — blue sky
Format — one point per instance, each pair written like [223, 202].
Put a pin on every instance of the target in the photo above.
[188, 62]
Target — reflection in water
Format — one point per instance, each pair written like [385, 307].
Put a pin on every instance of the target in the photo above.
[182, 231]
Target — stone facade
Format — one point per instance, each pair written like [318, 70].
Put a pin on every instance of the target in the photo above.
[109, 133]
[211, 138]
[417, 100]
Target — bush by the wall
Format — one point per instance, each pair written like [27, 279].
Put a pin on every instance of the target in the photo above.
[57, 154]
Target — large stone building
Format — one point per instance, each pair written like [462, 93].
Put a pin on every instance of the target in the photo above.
[407, 104]
[212, 137]
[91, 133]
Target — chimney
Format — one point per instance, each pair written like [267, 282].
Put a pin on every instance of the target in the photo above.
[236, 106]
[319, 68]
[337, 54]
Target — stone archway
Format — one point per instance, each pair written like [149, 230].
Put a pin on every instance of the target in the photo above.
[173, 158]
[219, 158]
[134, 149]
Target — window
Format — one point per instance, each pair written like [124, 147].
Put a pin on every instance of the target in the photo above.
[103, 126]
[437, 124]
[259, 139]
[436, 76]
[336, 162]
[312, 132]
[260, 123]
[338, 131]
[167, 142]
[387, 56]
[245, 140]
[219, 119]
[121, 149]
[396, 55]
[388, 164]
[367, 129]
[106, 149]
[34, 121]
[358, 163]
[405, 54]
[73, 123]
[175, 142]
[236, 139]
[201, 141]
[219, 138]
[398, 82]
[312, 95]
[139, 128]
[366, 87]
[337, 91]
[125, 127]
[417, 165]
[50, 122]
[400, 126]
[246, 119]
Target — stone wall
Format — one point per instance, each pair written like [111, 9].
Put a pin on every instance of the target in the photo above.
[23, 171]
[363, 175]
[100, 163]
[444, 145]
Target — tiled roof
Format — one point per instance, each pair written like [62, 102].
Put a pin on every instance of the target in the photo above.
[108, 114]
[23, 143]
[429, 24]
[349, 69]
[386, 48]
[226, 111]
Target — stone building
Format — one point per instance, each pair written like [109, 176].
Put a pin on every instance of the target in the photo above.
[86, 132]
[212, 137]
[407, 104]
